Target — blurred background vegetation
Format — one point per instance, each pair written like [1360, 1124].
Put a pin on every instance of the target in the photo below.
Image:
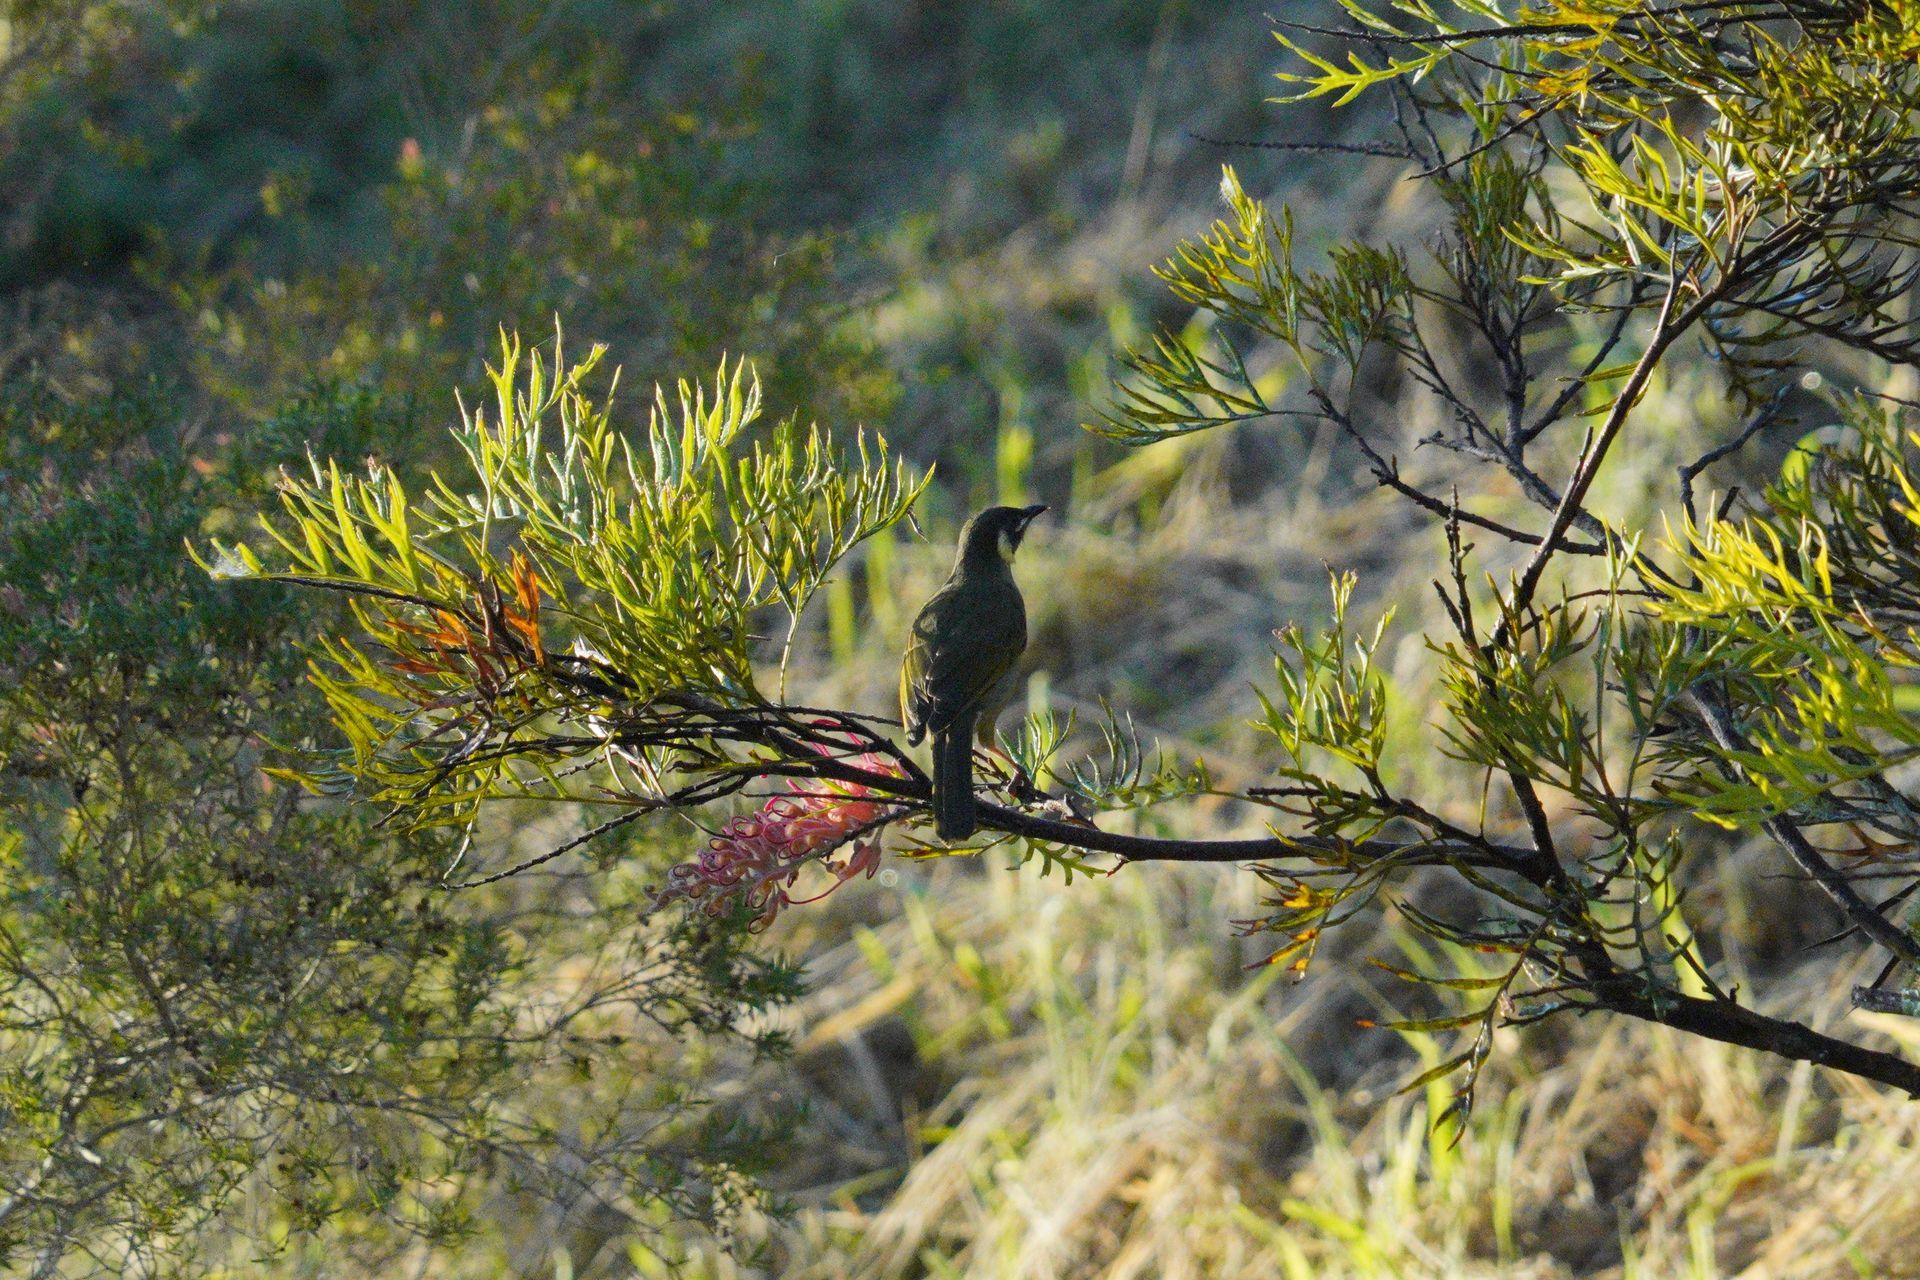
[231, 233]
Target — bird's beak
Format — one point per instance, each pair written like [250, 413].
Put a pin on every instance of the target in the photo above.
[1015, 535]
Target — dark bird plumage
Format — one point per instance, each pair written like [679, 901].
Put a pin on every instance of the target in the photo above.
[957, 673]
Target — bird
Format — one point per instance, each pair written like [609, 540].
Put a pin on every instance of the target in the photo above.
[957, 672]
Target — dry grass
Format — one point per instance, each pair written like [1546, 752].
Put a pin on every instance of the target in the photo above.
[1016, 1080]
[1008, 1077]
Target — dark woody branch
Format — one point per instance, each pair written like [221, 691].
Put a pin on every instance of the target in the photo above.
[1735, 1024]
[1810, 860]
[1610, 987]
[1387, 472]
[1091, 839]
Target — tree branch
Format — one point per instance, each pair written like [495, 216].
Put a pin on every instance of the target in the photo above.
[1762, 418]
[1810, 860]
[1665, 331]
[1340, 148]
[1387, 472]
[1031, 826]
[1730, 1023]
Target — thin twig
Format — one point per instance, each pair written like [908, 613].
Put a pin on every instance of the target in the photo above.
[1763, 417]
[1578, 382]
[1665, 330]
[1810, 860]
[1339, 148]
[610, 825]
[1387, 472]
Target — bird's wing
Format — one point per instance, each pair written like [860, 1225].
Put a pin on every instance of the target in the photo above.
[913, 674]
[960, 646]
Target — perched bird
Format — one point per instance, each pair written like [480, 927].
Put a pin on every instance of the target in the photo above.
[960, 654]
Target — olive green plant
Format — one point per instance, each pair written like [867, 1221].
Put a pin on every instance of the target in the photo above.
[605, 619]
[233, 1017]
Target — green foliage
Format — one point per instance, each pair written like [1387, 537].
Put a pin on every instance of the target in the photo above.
[1243, 276]
[581, 597]
[209, 984]
[1815, 645]
[576, 194]
[585, 618]
[603, 620]
[1330, 709]
[368, 192]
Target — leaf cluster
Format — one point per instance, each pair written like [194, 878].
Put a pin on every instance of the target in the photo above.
[580, 576]
[1803, 615]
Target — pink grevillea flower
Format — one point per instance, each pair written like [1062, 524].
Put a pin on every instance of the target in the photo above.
[757, 857]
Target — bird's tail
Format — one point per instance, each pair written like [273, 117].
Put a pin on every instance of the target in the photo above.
[953, 782]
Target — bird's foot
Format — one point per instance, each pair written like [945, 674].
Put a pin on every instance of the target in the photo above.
[1072, 808]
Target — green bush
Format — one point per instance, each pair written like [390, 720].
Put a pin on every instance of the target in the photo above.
[209, 982]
